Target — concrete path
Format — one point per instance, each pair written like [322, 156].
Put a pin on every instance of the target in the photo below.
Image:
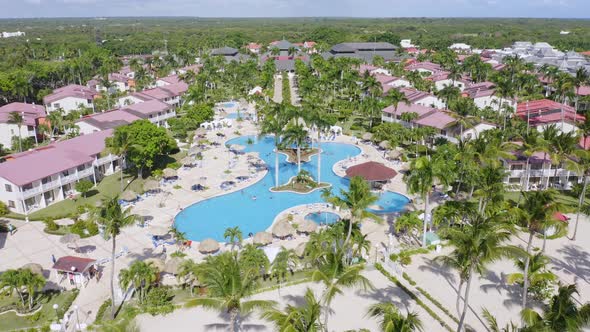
[278, 95]
[294, 90]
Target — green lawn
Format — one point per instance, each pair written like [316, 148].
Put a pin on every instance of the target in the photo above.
[569, 202]
[10, 321]
[108, 187]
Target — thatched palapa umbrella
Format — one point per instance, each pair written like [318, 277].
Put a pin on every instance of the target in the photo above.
[172, 265]
[128, 196]
[393, 154]
[208, 246]
[307, 226]
[385, 145]
[159, 230]
[367, 136]
[263, 238]
[151, 185]
[237, 147]
[169, 173]
[300, 249]
[157, 262]
[33, 267]
[195, 150]
[282, 229]
[187, 161]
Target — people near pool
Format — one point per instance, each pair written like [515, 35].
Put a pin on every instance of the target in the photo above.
[253, 197]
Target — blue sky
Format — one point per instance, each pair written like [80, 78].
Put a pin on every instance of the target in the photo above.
[291, 8]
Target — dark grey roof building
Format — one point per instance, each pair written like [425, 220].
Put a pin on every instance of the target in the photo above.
[229, 53]
[363, 51]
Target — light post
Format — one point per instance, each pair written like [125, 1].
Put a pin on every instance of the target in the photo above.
[77, 327]
[55, 307]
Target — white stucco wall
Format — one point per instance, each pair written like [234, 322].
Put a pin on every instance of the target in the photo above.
[68, 104]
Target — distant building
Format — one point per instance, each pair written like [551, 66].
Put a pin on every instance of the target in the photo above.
[423, 98]
[12, 34]
[229, 54]
[545, 112]
[33, 116]
[254, 48]
[460, 47]
[484, 95]
[284, 54]
[363, 51]
[425, 67]
[69, 98]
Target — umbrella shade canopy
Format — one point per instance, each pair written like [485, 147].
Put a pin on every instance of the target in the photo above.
[172, 265]
[151, 185]
[394, 154]
[282, 229]
[263, 238]
[371, 171]
[159, 230]
[195, 150]
[33, 267]
[385, 145]
[300, 249]
[169, 173]
[158, 263]
[237, 147]
[367, 136]
[200, 131]
[128, 196]
[307, 226]
[208, 246]
[187, 161]
[69, 238]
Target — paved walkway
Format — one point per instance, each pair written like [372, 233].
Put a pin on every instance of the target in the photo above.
[278, 94]
[294, 90]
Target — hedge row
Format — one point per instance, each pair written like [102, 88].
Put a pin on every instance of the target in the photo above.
[413, 297]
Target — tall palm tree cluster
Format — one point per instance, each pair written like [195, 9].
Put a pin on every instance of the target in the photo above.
[25, 283]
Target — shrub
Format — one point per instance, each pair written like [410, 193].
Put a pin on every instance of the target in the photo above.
[158, 301]
[174, 165]
[50, 225]
[84, 186]
[3, 209]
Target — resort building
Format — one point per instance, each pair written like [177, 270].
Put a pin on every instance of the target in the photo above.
[155, 111]
[425, 67]
[541, 173]
[391, 82]
[423, 98]
[372, 70]
[229, 54]
[69, 98]
[545, 112]
[442, 121]
[284, 54]
[442, 80]
[33, 116]
[363, 51]
[194, 68]
[484, 95]
[35, 179]
[254, 48]
[170, 94]
[118, 82]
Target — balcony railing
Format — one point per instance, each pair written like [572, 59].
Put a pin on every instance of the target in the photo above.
[32, 192]
[105, 160]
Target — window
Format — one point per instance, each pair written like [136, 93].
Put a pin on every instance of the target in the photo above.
[11, 204]
[8, 188]
[56, 105]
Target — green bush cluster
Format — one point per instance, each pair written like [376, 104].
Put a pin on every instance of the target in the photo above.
[102, 309]
[158, 301]
[286, 89]
[413, 297]
[84, 228]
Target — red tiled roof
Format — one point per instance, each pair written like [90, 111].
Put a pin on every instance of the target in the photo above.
[425, 65]
[583, 91]
[72, 90]
[30, 112]
[439, 120]
[411, 108]
[371, 171]
[73, 264]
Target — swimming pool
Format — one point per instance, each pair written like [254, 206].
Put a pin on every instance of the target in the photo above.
[233, 116]
[323, 217]
[210, 218]
[228, 105]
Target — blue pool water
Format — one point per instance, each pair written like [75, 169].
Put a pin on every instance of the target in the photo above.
[233, 116]
[323, 217]
[210, 218]
[229, 104]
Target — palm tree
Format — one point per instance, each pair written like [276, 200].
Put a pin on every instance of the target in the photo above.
[357, 199]
[119, 144]
[113, 218]
[532, 215]
[540, 277]
[14, 281]
[448, 93]
[493, 323]
[335, 276]
[17, 119]
[391, 320]
[297, 135]
[33, 282]
[475, 245]
[234, 236]
[304, 318]
[229, 286]
[394, 96]
[285, 262]
[188, 273]
[274, 123]
[582, 167]
[582, 77]
[318, 118]
[423, 174]
[561, 315]
[141, 275]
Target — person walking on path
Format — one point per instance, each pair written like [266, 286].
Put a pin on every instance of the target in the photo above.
[53, 258]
